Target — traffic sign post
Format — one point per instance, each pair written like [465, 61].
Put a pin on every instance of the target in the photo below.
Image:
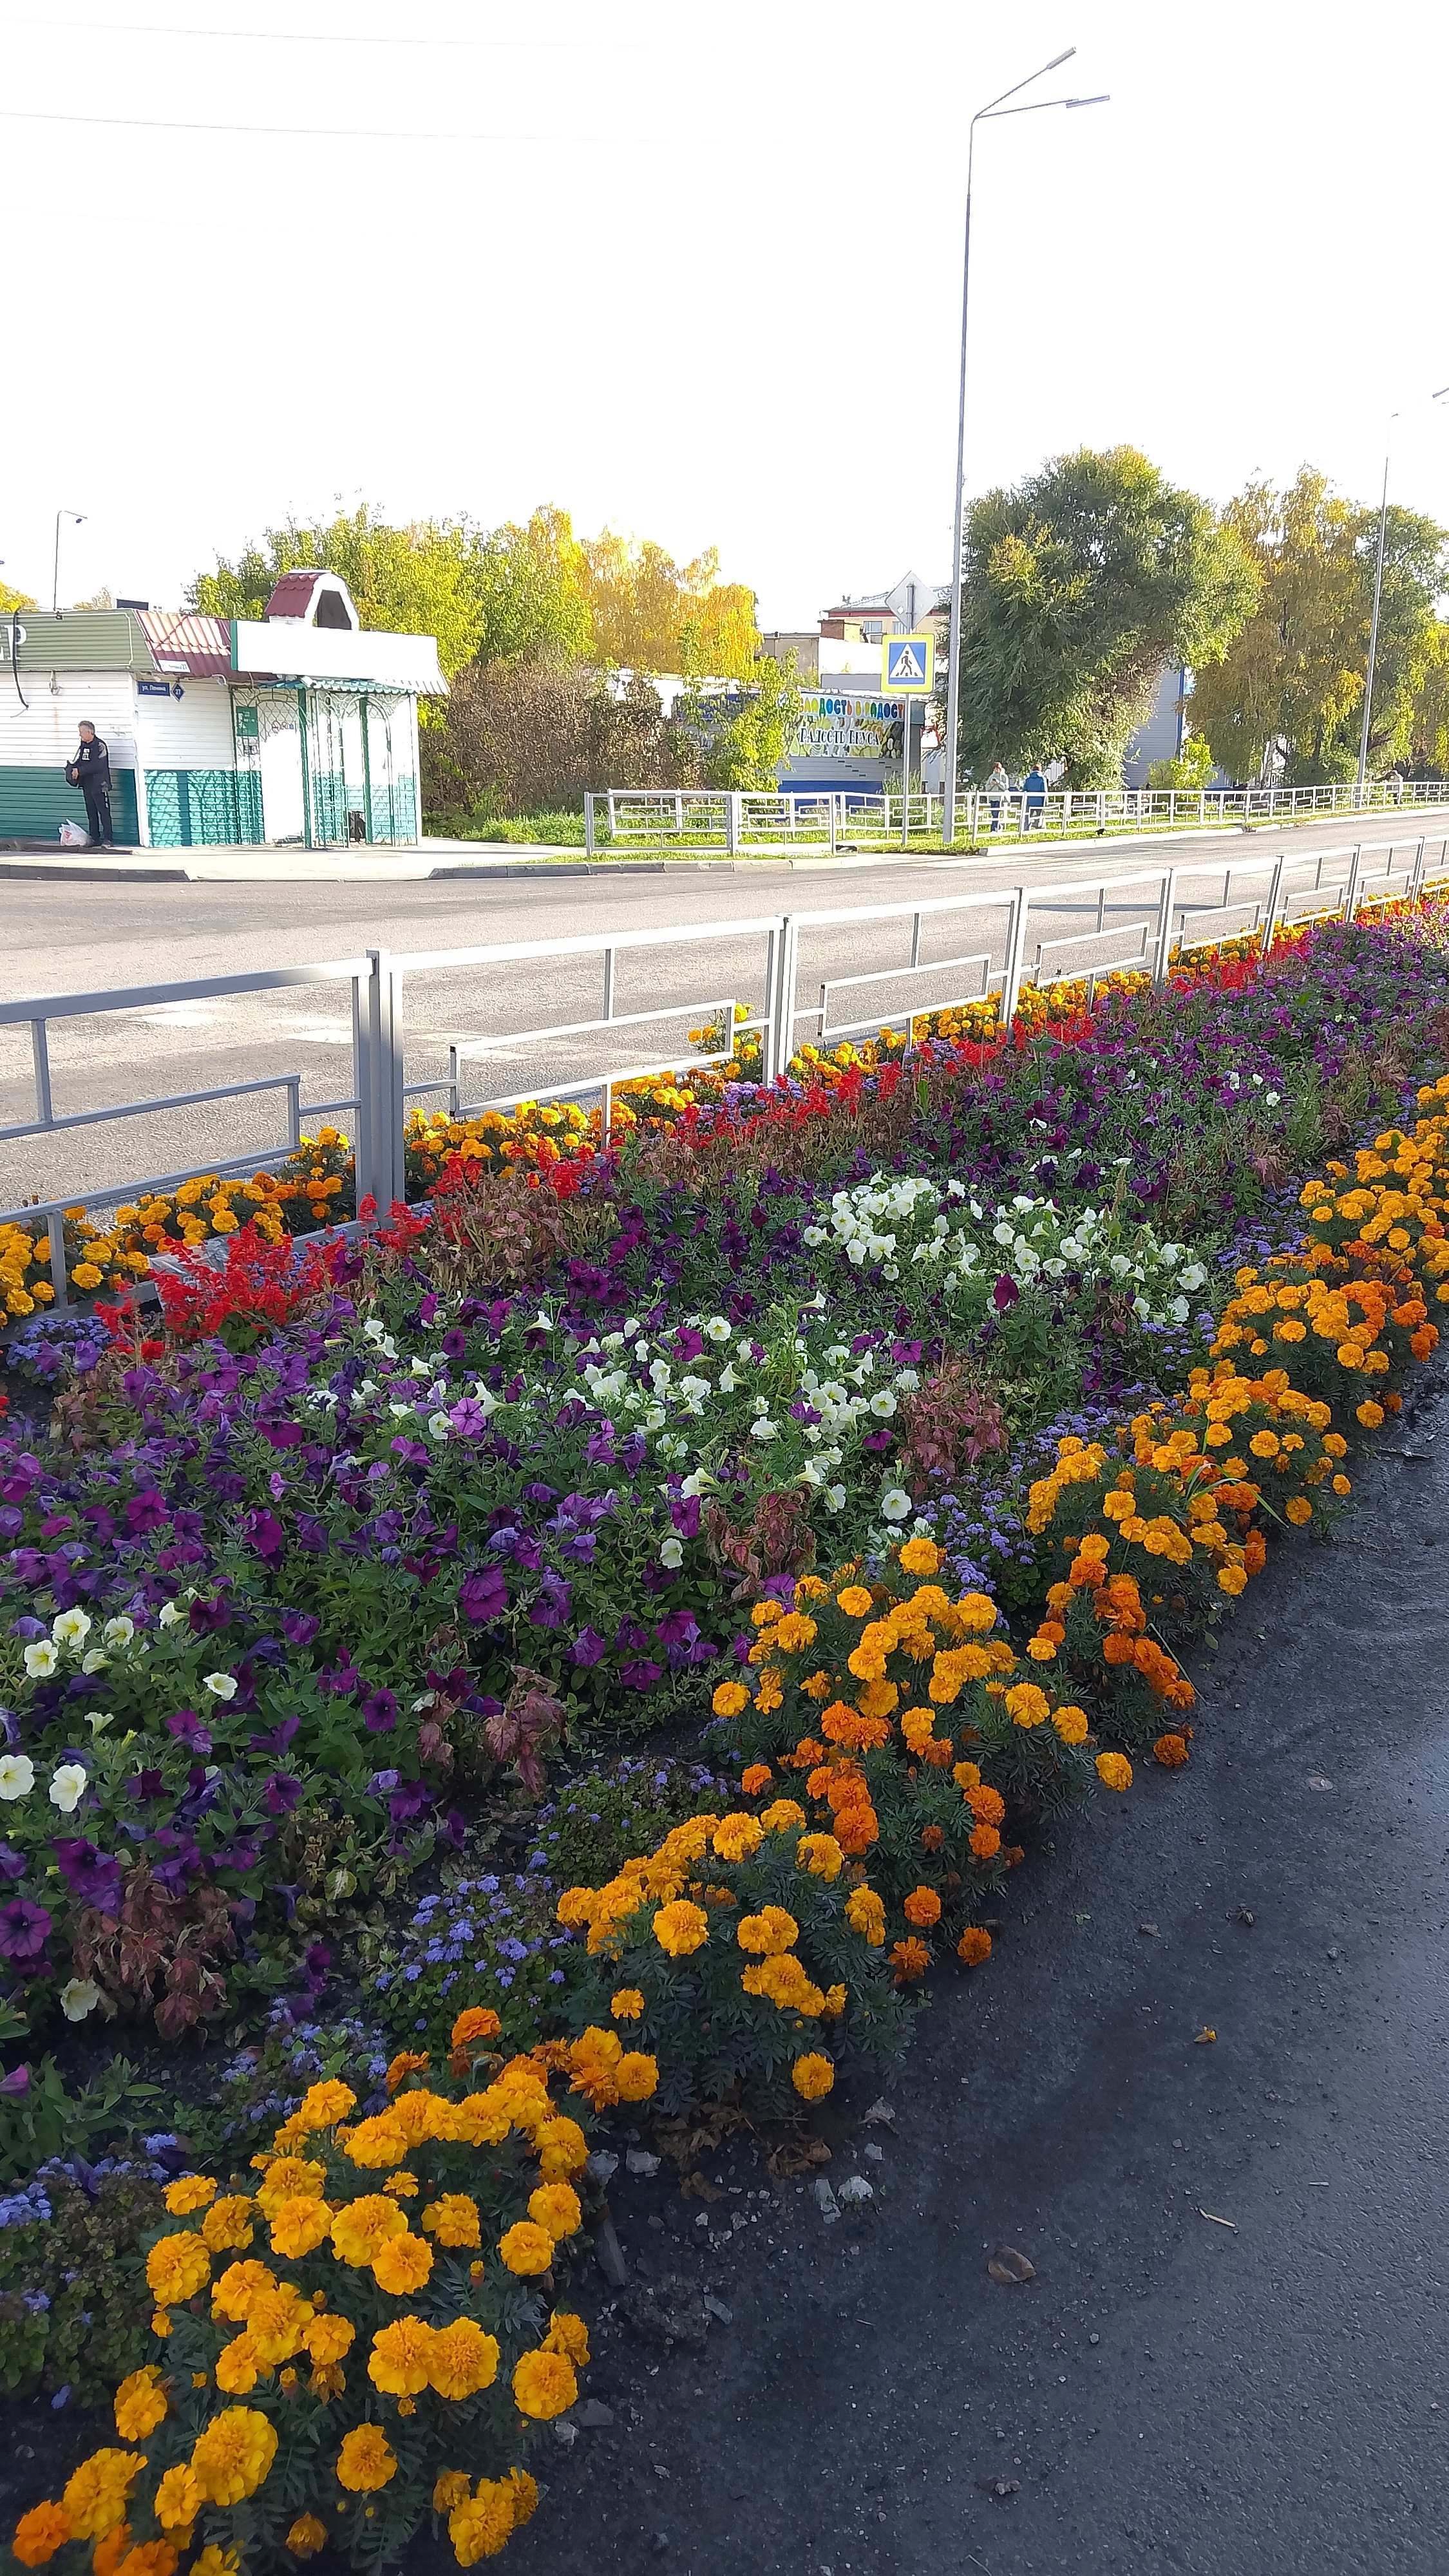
[907, 672]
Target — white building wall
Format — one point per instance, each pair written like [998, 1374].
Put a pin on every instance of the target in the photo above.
[193, 731]
[46, 735]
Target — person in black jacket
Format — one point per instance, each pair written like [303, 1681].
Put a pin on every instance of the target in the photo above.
[90, 771]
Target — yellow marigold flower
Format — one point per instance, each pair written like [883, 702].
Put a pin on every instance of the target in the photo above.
[636, 2076]
[306, 2536]
[402, 2265]
[40, 2533]
[275, 2322]
[681, 1928]
[178, 2500]
[525, 2496]
[366, 2460]
[139, 2404]
[1026, 1704]
[482, 2525]
[95, 2495]
[812, 2075]
[215, 2561]
[921, 1556]
[239, 2366]
[453, 2219]
[399, 2360]
[462, 2358]
[865, 1914]
[241, 2284]
[1298, 1509]
[729, 1698]
[627, 2004]
[326, 2337]
[770, 1930]
[1231, 1579]
[361, 2229]
[227, 2225]
[1114, 1770]
[299, 2226]
[544, 2384]
[1071, 1724]
[562, 2148]
[821, 1855]
[555, 2206]
[377, 2142]
[176, 2268]
[287, 2176]
[526, 2247]
[783, 1817]
[1342, 1485]
[855, 1601]
[738, 1837]
[453, 2487]
[188, 2192]
[795, 1630]
[232, 2457]
[569, 2335]
[323, 2106]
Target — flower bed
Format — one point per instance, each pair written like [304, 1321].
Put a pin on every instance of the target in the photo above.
[908, 1436]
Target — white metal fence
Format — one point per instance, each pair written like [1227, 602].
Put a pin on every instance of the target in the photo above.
[1136, 920]
[711, 818]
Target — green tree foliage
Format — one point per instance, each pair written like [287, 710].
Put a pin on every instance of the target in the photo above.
[1190, 770]
[419, 580]
[745, 736]
[1079, 586]
[1292, 681]
[531, 587]
[1430, 747]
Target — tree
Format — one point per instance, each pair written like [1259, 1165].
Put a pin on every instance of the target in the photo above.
[1430, 743]
[530, 735]
[648, 613]
[10, 599]
[745, 736]
[530, 584]
[1191, 769]
[1079, 586]
[418, 580]
[1290, 687]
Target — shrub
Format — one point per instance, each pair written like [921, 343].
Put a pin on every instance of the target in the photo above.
[400, 2327]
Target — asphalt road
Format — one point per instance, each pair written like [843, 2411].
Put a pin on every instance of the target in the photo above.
[1266, 2396]
[89, 936]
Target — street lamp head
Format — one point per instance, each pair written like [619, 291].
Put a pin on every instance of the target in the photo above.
[1057, 60]
[1101, 100]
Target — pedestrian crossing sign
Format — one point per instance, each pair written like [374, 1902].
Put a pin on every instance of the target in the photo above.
[908, 665]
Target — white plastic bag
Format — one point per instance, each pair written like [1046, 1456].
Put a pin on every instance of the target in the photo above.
[72, 837]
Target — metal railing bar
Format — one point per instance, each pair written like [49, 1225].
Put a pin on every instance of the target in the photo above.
[585, 943]
[585, 1028]
[140, 997]
[144, 1108]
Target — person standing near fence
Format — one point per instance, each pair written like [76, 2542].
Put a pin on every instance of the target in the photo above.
[1034, 788]
[998, 786]
[90, 771]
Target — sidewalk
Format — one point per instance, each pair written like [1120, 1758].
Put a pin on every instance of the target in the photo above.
[1268, 2396]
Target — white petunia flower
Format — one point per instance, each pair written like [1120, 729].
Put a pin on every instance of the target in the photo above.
[71, 1627]
[764, 1428]
[896, 1505]
[718, 1328]
[40, 1659]
[93, 1661]
[119, 1632]
[221, 1685]
[671, 1554]
[439, 1426]
[67, 1787]
[98, 1719]
[169, 1614]
[883, 1403]
[17, 1775]
[78, 1998]
[835, 1497]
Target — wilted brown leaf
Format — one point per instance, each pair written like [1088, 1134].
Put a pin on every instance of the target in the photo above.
[1009, 2267]
[694, 2187]
[797, 2156]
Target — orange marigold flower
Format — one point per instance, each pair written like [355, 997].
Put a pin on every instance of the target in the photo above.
[909, 1959]
[40, 2533]
[1171, 1751]
[987, 1805]
[406, 2063]
[985, 1841]
[479, 2021]
[306, 2536]
[974, 1945]
[812, 2075]
[1298, 1509]
[922, 1907]
[755, 1778]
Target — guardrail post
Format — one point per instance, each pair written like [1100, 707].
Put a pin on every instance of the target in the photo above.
[588, 823]
[1417, 878]
[1271, 923]
[1163, 957]
[784, 958]
[1015, 950]
[380, 1162]
[734, 802]
[1350, 892]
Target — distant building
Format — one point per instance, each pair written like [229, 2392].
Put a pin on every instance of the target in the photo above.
[296, 727]
[852, 732]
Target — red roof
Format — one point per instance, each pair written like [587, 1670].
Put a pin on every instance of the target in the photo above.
[292, 596]
[181, 639]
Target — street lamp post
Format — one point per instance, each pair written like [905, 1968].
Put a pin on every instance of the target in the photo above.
[1373, 651]
[995, 107]
[78, 516]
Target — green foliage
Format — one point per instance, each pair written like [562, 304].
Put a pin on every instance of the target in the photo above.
[14, 599]
[45, 2120]
[1080, 584]
[529, 585]
[1292, 680]
[74, 2308]
[1191, 769]
[744, 737]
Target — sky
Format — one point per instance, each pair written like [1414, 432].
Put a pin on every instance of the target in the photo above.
[696, 273]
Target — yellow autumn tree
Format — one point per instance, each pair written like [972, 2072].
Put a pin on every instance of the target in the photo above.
[649, 613]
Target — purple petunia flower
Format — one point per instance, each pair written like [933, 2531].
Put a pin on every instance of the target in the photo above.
[24, 1931]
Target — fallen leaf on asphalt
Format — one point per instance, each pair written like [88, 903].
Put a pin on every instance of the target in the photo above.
[879, 2116]
[695, 2187]
[797, 2156]
[1204, 2035]
[1009, 2267]
[1149, 1927]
